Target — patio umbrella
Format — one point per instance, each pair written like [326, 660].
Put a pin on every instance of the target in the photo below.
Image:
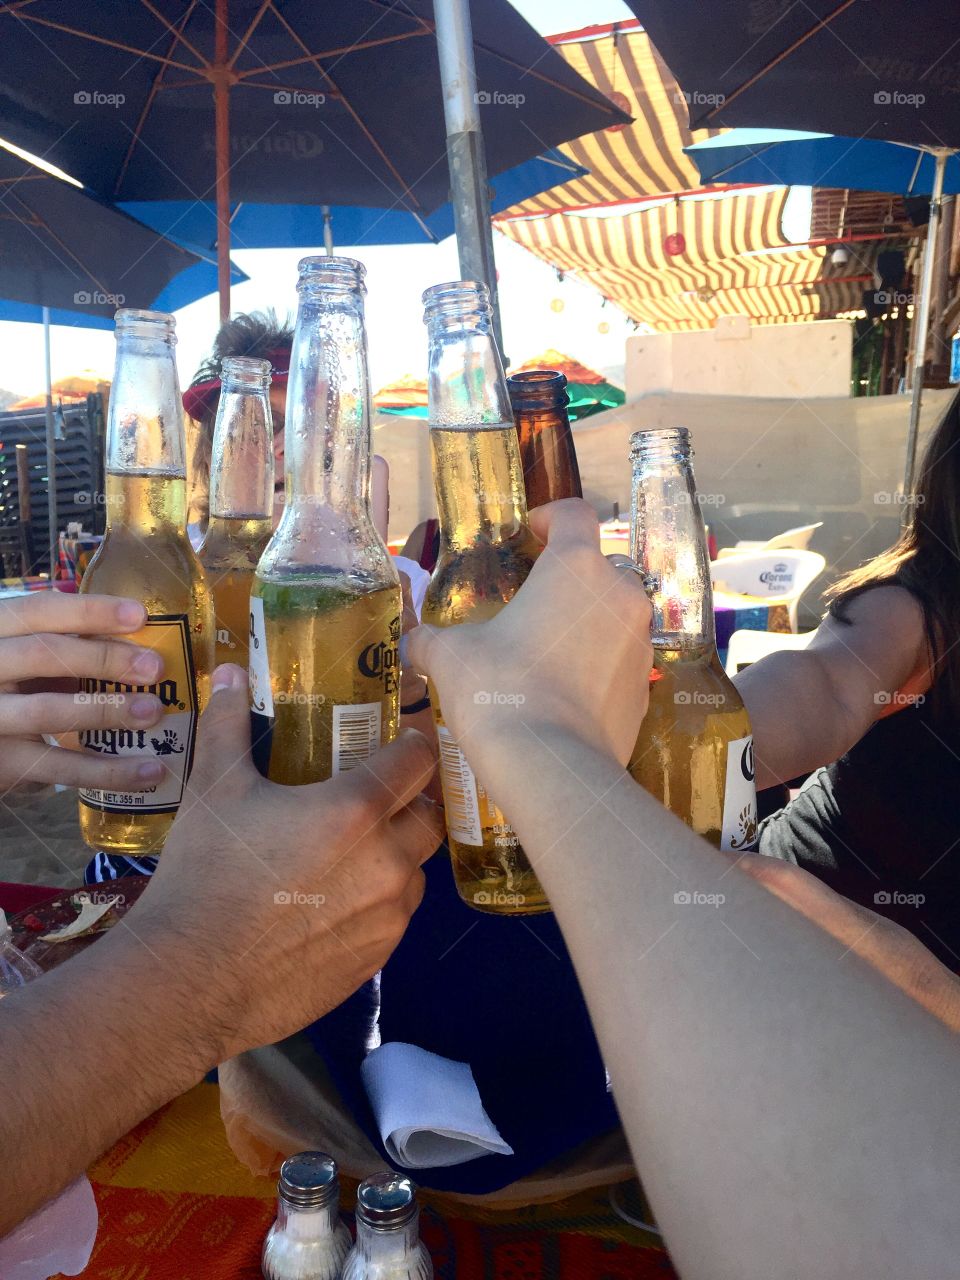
[282, 226]
[65, 254]
[588, 391]
[867, 68]
[281, 100]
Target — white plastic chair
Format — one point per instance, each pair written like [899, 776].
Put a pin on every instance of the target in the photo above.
[795, 539]
[765, 578]
[750, 646]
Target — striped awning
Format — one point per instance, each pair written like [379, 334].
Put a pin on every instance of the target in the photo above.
[630, 161]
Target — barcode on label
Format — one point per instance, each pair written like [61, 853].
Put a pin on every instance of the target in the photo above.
[459, 791]
[356, 734]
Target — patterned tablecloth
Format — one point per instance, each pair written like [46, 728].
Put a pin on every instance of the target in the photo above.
[176, 1204]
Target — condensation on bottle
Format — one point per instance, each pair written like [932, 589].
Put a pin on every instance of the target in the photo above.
[388, 1243]
[309, 1240]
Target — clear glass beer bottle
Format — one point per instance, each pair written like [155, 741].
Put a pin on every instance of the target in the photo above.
[241, 500]
[325, 608]
[486, 553]
[146, 554]
[695, 749]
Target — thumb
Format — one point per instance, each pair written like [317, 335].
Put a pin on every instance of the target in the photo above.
[223, 736]
[419, 644]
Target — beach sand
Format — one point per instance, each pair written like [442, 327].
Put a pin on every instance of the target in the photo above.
[40, 841]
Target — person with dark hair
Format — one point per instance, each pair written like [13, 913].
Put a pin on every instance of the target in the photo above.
[873, 706]
[260, 335]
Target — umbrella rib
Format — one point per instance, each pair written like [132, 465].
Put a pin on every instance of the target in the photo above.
[177, 33]
[369, 136]
[242, 42]
[330, 53]
[111, 44]
[821, 25]
[154, 89]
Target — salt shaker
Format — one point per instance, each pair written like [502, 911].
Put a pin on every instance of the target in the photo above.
[388, 1239]
[308, 1241]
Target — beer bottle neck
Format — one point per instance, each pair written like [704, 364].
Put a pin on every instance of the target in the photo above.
[479, 485]
[241, 475]
[146, 444]
[547, 455]
[327, 437]
[669, 541]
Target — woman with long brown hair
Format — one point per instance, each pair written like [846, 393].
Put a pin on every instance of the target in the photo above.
[877, 693]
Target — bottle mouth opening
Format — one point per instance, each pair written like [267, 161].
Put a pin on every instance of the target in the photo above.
[538, 389]
[146, 324]
[667, 441]
[247, 371]
[459, 299]
[331, 273]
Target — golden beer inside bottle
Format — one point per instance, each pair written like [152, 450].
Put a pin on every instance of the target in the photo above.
[485, 557]
[230, 553]
[333, 660]
[146, 555]
[681, 753]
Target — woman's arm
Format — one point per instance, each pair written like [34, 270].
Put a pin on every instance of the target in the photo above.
[808, 707]
[788, 1108]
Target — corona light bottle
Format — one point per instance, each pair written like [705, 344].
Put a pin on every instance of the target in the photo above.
[241, 500]
[147, 555]
[325, 607]
[695, 749]
[486, 553]
[547, 456]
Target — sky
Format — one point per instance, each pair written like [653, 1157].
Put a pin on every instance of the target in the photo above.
[397, 275]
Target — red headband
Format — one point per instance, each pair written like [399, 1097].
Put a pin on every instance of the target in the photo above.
[202, 397]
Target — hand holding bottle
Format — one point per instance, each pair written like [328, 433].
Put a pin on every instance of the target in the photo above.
[571, 650]
[48, 642]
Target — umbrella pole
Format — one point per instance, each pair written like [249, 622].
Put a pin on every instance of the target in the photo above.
[221, 106]
[921, 327]
[52, 516]
[469, 192]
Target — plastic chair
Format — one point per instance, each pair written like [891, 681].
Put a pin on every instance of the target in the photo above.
[750, 646]
[767, 578]
[794, 539]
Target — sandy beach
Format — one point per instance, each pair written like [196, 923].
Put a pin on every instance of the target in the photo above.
[40, 840]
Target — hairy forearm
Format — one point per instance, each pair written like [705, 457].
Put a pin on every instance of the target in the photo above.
[88, 1051]
[783, 1101]
[798, 724]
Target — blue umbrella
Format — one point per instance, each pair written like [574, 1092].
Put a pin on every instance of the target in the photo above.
[282, 226]
[791, 158]
[67, 255]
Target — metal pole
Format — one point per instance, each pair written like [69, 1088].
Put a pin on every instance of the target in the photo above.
[52, 517]
[469, 193]
[327, 229]
[221, 106]
[921, 327]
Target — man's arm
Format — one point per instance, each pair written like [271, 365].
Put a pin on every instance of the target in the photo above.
[790, 1110]
[270, 905]
[808, 707]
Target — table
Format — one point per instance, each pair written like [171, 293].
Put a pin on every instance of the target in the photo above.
[175, 1203]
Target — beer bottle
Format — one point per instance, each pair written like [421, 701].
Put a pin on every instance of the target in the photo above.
[486, 553]
[146, 554]
[325, 606]
[695, 749]
[547, 456]
[241, 500]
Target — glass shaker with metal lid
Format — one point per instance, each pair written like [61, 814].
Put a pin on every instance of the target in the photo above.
[388, 1237]
[308, 1241]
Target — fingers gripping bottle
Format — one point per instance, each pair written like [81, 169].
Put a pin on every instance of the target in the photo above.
[486, 553]
[325, 606]
[695, 749]
[241, 500]
[146, 554]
